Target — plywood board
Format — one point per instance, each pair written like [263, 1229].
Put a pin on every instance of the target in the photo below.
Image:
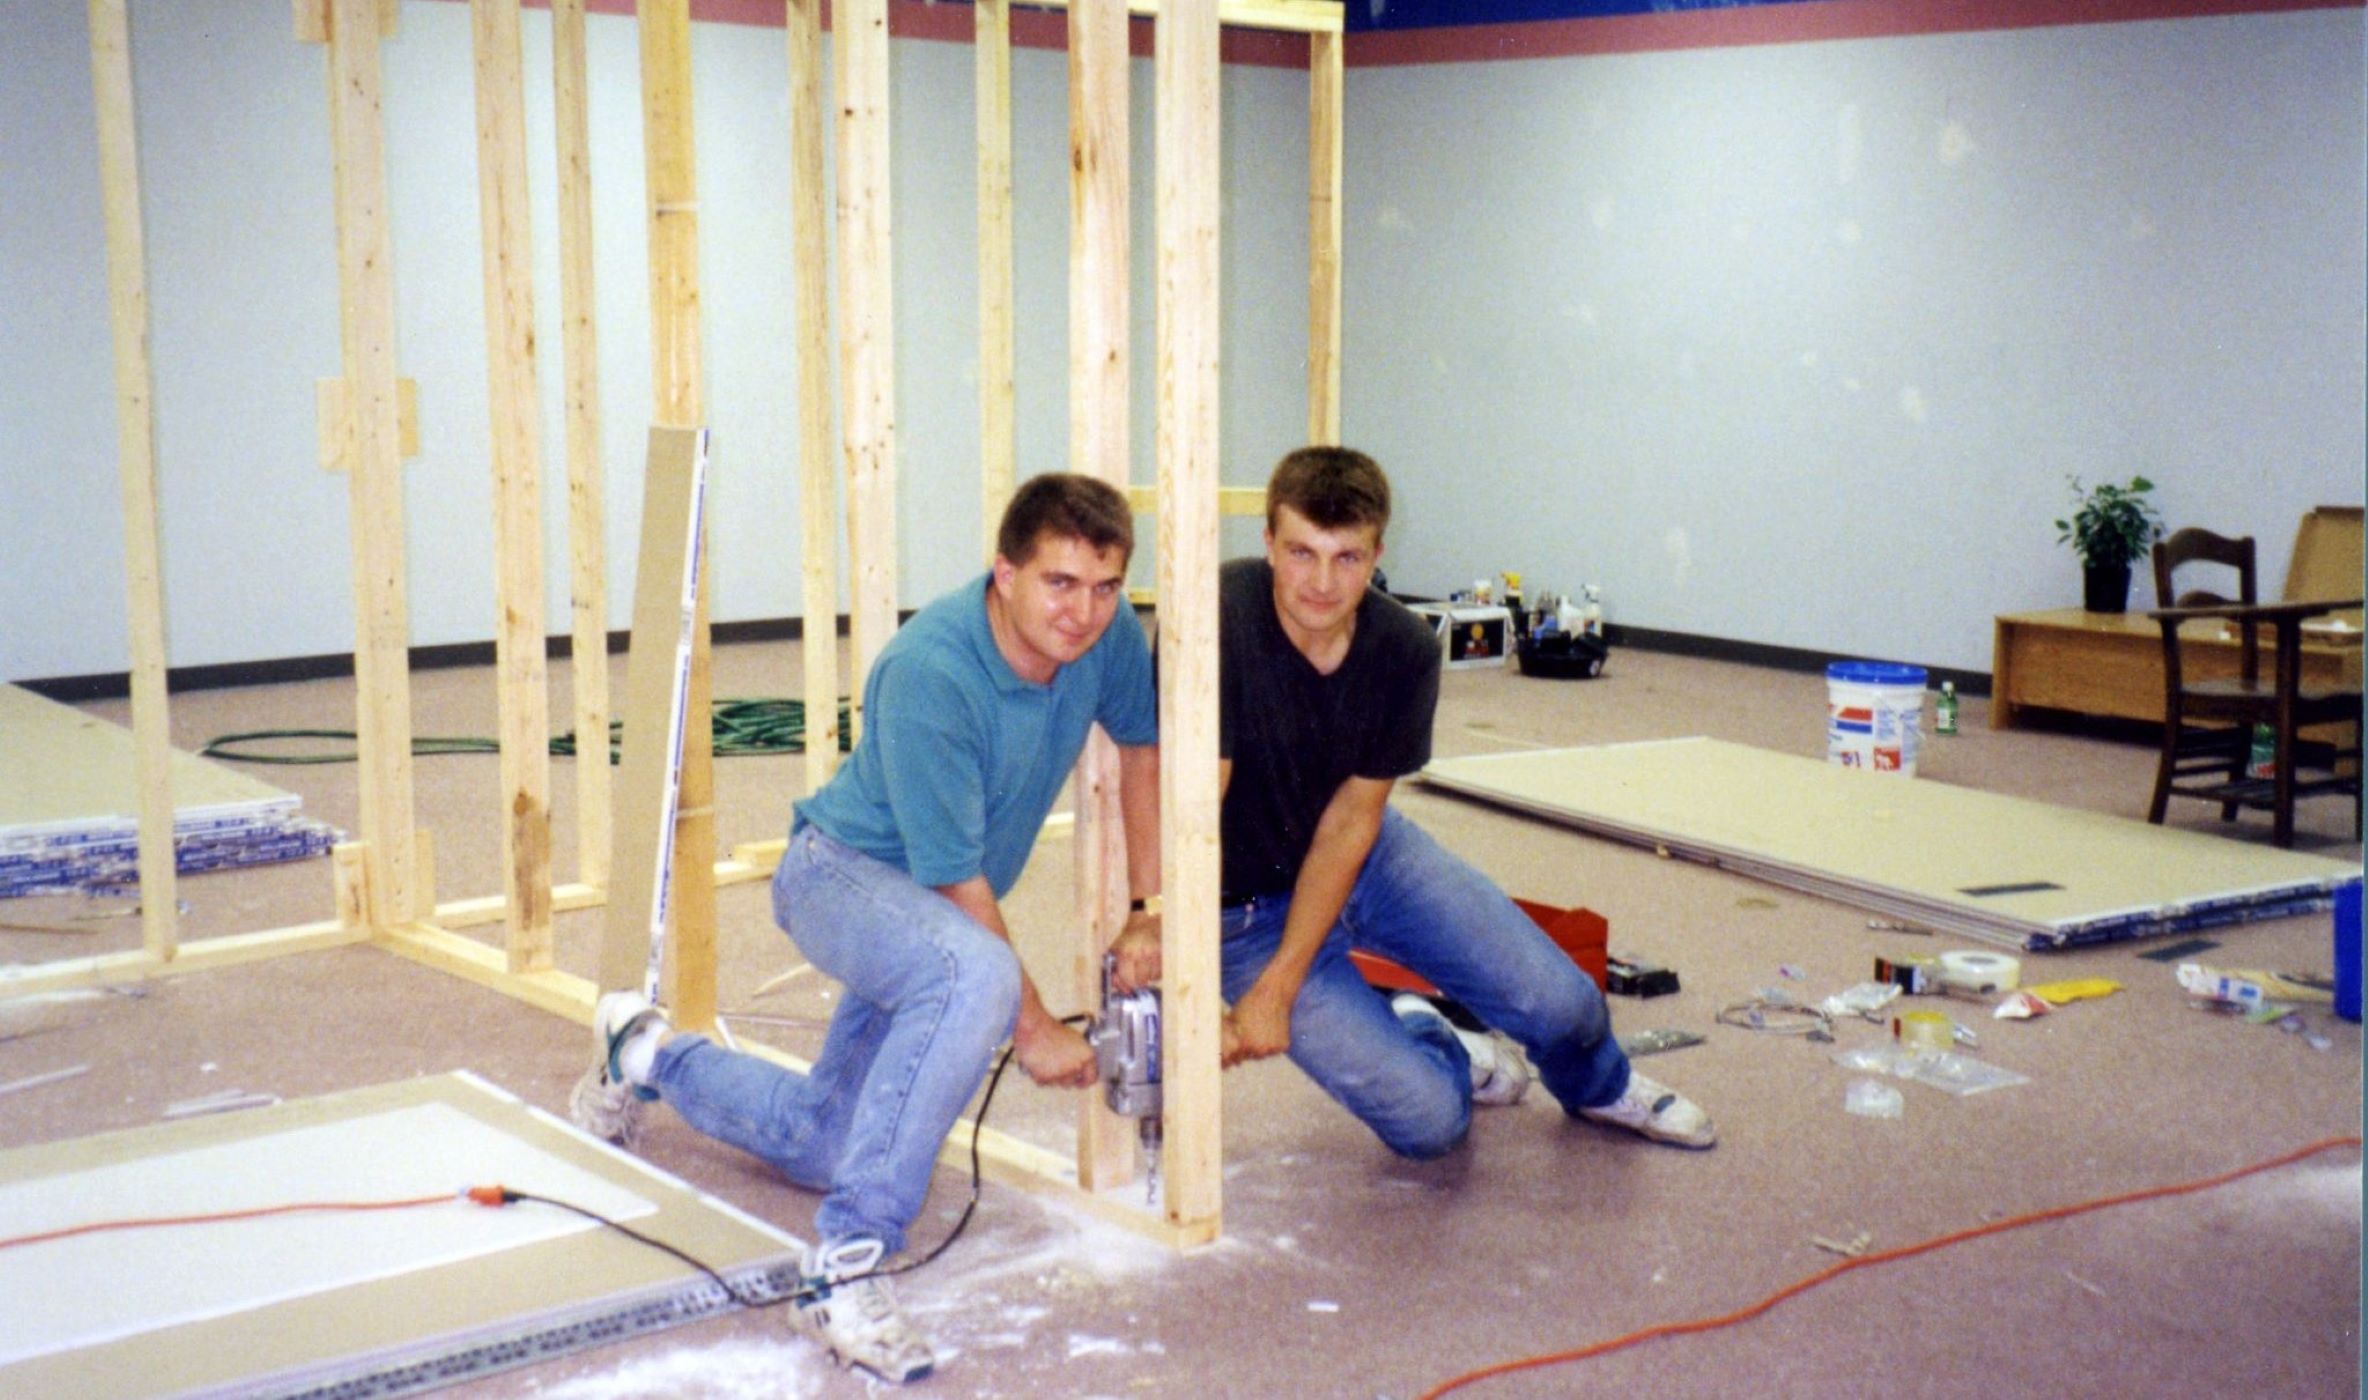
[2005, 869]
[315, 1299]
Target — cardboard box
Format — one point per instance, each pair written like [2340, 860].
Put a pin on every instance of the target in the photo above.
[1470, 637]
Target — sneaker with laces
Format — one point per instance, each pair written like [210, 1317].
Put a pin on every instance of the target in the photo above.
[1656, 1111]
[606, 1102]
[1500, 1072]
[852, 1313]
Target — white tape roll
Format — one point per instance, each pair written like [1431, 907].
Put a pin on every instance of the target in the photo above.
[1979, 973]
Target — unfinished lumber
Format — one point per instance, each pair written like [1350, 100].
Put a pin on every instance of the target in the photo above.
[587, 548]
[818, 480]
[1098, 217]
[867, 358]
[1285, 16]
[1189, 316]
[333, 407]
[135, 450]
[365, 263]
[521, 680]
[669, 152]
[1324, 139]
[998, 422]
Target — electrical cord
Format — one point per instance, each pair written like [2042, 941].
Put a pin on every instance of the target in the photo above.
[1777, 1016]
[742, 727]
[1867, 1261]
[498, 1196]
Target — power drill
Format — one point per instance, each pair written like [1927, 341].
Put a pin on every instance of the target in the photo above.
[1125, 1037]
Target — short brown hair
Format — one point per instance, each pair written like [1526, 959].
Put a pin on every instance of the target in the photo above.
[1069, 506]
[1333, 487]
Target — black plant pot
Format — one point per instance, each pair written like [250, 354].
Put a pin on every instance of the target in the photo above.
[2105, 588]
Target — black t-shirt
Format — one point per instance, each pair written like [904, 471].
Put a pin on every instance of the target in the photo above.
[1295, 735]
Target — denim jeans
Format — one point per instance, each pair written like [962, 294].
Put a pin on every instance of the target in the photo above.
[1419, 906]
[926, 996]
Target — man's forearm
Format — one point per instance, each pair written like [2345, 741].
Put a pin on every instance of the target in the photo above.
[1326, 878]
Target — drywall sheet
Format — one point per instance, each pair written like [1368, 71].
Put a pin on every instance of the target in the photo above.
[2005, 869]
[69, 805]
[288, 1303]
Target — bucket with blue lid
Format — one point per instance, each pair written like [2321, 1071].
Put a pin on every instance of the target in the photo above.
[1874, 715]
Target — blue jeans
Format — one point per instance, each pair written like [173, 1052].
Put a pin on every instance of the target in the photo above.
[927, 995]
[1419, 906]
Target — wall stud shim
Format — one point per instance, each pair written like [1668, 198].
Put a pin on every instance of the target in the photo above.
[1098, 269]
[818, 471]
[867, 352]
[521, 679]
[1188, 212]
[586, 522]
[135, 445]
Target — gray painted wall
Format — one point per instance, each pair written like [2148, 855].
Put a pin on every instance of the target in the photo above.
[1796, 344]
[1791, 345]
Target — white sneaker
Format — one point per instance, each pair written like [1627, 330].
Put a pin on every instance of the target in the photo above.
[606, 1102]
[853, 1314]
[1658, 1112]
[1500, 1072]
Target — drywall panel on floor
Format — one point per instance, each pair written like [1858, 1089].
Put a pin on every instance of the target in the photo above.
[1978, 863]
[286, 1301]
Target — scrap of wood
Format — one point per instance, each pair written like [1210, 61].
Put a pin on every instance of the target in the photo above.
[1856, 1246]
[35, 1081]
[43, 928]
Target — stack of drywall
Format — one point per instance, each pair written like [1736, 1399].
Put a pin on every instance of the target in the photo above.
[2006, 869]
[69, 806]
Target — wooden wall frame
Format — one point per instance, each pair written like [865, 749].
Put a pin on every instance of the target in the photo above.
[384, 886]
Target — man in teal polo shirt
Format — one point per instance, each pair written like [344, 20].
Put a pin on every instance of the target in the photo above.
[975, 713]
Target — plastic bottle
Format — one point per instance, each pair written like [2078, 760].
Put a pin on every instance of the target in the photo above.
[1591, 615]
[2262, 762]
[1944, 712]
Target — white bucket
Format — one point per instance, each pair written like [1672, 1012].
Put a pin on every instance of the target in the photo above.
[1874, 715]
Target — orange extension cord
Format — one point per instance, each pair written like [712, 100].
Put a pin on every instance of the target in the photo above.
[481, 1195]
[1745, 1314]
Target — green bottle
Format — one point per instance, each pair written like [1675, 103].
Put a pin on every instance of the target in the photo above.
[1944, 712]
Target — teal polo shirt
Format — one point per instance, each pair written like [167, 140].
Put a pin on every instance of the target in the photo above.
[960, 759]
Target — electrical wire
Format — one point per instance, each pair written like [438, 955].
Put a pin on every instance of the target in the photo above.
[498, 1196]
[219, 1216]
[1866, 1261]
[743, 726]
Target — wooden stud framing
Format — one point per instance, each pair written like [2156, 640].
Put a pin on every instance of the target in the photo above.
[998, 422]
[521, 680]
[818, 496]
[1098, 227]
[586, 522]
[382, 664]
[673, 187]
[1324, 139]
[1189, 314]
[135, 448]
[382, 890]
[867, 374]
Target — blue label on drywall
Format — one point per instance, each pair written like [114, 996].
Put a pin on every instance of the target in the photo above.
[1365, 15]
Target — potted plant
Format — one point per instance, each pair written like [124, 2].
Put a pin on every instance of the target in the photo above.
[2111, 528]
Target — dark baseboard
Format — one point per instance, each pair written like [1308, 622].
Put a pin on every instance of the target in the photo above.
[1774, 657]
[114, 685]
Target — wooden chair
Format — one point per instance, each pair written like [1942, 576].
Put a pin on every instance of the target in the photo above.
[2207, 733]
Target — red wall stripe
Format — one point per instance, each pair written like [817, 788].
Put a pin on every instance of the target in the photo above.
[1804, 21]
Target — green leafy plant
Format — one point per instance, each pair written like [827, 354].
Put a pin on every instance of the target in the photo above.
[2111, 525]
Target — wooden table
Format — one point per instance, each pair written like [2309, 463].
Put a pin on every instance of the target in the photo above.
[2111, 663]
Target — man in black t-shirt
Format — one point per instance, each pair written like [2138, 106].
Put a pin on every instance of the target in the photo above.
[1326, 693]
